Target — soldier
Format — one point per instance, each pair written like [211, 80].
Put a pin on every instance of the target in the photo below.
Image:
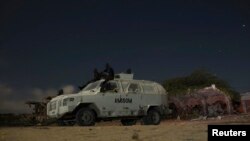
[60, 92]
[108, 73]
[129, 71]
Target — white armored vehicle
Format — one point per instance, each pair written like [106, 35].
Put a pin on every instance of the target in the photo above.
[123, 98]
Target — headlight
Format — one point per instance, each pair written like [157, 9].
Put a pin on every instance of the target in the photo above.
[67, 100]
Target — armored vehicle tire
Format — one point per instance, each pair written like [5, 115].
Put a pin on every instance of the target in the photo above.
[85, 117]
[128, 122]
[153, 118]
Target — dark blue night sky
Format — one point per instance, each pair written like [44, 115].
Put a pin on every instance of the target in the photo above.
[49, 44]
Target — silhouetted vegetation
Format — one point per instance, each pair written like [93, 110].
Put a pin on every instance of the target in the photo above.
[196, 80]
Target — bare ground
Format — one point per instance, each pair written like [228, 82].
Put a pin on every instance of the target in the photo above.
[169, 130]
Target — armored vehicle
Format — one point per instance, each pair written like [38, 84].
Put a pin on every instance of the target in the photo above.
[123, 98]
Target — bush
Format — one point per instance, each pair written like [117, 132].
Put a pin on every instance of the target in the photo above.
[196, 80]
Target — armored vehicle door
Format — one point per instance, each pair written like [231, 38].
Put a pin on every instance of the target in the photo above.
[131, 98]
[110, 91]
[151, 95]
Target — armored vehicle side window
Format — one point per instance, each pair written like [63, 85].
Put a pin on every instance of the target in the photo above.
[91, 86]
[110, 86]
[134, 88]
[124, 85]
[148, 89]
[60, 103]
[161, 89]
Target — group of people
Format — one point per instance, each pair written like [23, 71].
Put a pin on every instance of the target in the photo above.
[107, 74]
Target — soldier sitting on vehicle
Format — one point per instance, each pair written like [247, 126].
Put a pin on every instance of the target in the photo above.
[108, 73]
[109, 86]
[129, 71]
[60, 92]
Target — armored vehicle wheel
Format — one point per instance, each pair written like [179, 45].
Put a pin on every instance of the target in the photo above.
[85, 117]
[153, 118]
[128, 122]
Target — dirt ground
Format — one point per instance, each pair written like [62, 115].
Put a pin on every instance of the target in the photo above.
[169, 130]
